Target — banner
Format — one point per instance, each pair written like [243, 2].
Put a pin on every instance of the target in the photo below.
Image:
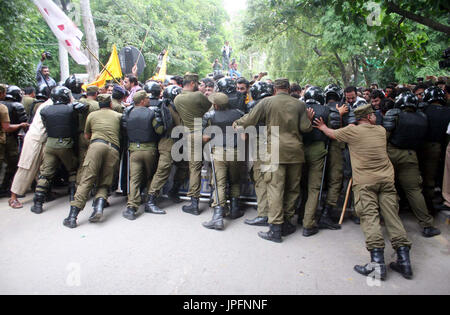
[113, 66]
[63, 28]
[161, 75]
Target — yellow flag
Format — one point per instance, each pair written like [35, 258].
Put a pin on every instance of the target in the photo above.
[161, 75]
[113, 66]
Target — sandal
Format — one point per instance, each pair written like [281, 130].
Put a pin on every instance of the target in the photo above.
[15, 203]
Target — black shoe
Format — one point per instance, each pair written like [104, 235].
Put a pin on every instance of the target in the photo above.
[310, 232]
[376, 268]
[97, 214]
[72, 191]
[130, 213]
[144, 198]
[258, 221]
[430, 231]
[403, 263]
[235, 211]
[216, 222]
[287, 228]
[355, 219]
[193, 207]
[71, 220]
[274, 233]
[325, 221]
[39, 198]
[151, 207]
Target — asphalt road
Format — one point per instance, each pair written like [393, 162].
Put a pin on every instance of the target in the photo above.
[174, 254]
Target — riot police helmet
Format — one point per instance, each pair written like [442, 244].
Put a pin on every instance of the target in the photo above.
[333, 91]
[153, 88]
[406, 99]
[171, 92]
[74, 84]
[260, 90]
[434, 94]
[60, 95]
[314, 93]
[14, 94]
[226, 85]
[43, 92]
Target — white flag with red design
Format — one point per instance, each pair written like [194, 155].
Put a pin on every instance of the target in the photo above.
[64, 29]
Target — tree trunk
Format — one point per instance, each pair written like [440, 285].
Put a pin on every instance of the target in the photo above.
[344, 75]
[91, 39]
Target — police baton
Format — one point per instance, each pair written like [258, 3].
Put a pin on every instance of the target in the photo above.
[216, 191]
[346, 200]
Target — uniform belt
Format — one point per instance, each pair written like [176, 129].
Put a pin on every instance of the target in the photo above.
[138, 144]
[106, 142]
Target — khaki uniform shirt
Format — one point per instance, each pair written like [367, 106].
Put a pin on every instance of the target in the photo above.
[368, 153]
[191, 105]
[289, 115]
[116, 105]
[27, 101]
[93, 106]
[4, 118]
[104, 124]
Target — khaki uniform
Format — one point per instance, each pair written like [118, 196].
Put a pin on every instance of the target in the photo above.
[283, 177]
[102, 159]
[191, 105]
[407, 172]
[373, 184]
[315, 154]
[335, 169]
[27, 101]
[4, 118]
[116, 106]
[83, 144]
[430, 154]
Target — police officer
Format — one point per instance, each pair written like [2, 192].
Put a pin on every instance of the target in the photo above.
[92, 105]
[225, 156]
[61, 122]
[138, 121]
[17, 115]
[74, 85]
[408, 129]
[374, 191]
[42, 94]
[292, 119]
[315, 153]
[228, 87]
[103, 131]
[259, 91]
[167, 116]
[118, 96]
[192, 104]
[438, 115]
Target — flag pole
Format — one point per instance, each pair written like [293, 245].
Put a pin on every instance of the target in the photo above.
[142, 46]
[95, 57]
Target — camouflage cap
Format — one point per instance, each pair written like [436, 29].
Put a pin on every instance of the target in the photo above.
[92, 89]
[363, 111]
[104, 98]
[139, 96]
[219, 99]
[191, 77]
[282, 83]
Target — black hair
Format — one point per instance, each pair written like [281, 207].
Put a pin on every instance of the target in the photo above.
[377, 94]
[132, 79]
[177, 79]
[386, 104]
[243, 80]
[208, 82]
[419, 86]
[367, 89]
[350, 89]
[29, 90]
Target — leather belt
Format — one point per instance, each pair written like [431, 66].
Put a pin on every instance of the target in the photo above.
[106, 142]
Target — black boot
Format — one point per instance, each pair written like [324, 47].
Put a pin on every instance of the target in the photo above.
[376, 267]
[130, 213]
[97, 214]
[430, 231]
[310, 232]
[325, 221]
[151, 207]
[287, 228]
[71, 220]
[193, 207]
[403, 264]
[216, 222]
[173, 193]
[258, 221]
[235, 211]
[274, 234]
[39, 198]
[72, 191]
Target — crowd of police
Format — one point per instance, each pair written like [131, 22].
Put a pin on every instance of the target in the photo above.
[382, 143]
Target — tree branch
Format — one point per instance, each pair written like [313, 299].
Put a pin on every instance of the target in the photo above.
[392, 7]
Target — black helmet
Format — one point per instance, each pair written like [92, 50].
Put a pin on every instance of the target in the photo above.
[260, 90]
[171, 92]
[333, 91]
[13, 93]
[406, 99]
[60, 95]
[434, 94]
[226, 85]
[314, 93]
[43, 92]
[74, 84]
[153, 88]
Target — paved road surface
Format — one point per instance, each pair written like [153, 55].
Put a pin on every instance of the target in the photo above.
[174, 254]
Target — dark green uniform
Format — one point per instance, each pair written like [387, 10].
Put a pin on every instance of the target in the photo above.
[102, 157]
[192, 105]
